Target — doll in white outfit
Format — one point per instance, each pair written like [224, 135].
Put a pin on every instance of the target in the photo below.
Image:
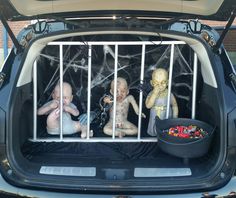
[157, 99]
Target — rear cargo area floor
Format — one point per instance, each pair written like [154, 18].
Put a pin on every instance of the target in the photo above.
[108, 158]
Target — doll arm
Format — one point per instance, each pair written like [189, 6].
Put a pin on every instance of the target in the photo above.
[135, 106]
[174, 106]
[150, 101]
[72, 109]
[46, 108]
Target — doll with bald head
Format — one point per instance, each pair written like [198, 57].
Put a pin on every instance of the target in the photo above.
[123, 100]
[52, 109]
[157, 99]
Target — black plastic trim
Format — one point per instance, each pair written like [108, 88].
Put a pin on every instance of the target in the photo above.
[3, 126]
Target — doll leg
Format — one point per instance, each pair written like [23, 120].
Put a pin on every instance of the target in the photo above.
[129, 128]
[82, 129]
[120, 133]
[77, 126]
[52, 119]
[108, 130]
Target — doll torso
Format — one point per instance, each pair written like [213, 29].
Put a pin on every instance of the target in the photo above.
[159, 109]
[160, 106]
[122, 109]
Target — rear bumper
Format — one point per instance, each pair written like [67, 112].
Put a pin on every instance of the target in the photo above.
[6, 188]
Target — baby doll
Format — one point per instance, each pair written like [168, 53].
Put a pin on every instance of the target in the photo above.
[52, 109]
[157, 99]
[123, 126]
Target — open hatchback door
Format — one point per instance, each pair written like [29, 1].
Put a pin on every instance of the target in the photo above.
[215, 10]
[118, 97]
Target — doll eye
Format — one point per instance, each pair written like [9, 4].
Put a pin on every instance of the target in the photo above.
[66, 97]
[163, 82]
[157, 83]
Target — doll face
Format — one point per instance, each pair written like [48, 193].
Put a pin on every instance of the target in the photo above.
[159, 79]
[67, 93]
[122, 89]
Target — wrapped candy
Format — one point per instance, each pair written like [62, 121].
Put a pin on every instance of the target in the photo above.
[190, 131]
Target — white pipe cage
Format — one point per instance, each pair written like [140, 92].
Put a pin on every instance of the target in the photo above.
[113, 138]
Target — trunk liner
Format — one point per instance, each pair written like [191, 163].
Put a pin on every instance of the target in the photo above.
[111, 156]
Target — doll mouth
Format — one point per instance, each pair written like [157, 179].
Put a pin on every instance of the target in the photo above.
[119, 98]
[162, 89]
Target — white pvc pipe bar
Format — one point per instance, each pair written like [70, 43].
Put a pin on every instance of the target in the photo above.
[170, 79]
[116, 43]
[95, 139]
[89, 89]
[115, 92]
[141, 92]
[194, 93]
[61, 89]
[35, 99]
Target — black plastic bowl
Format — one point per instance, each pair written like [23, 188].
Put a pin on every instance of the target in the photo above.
[183, 147]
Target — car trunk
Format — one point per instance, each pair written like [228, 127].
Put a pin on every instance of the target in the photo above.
[89, 61]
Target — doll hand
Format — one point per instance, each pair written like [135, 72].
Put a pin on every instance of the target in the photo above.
[57, 112]
[143, 115]
[156, 91]
[54, 104]
[107, 100]
[65, 108]
[175, 115]
[69, 109]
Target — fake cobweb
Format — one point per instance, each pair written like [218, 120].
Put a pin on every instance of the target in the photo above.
[75, 71]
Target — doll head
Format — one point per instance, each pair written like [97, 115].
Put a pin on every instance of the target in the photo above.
[159, 79]
[122, 89]
[67, 93]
